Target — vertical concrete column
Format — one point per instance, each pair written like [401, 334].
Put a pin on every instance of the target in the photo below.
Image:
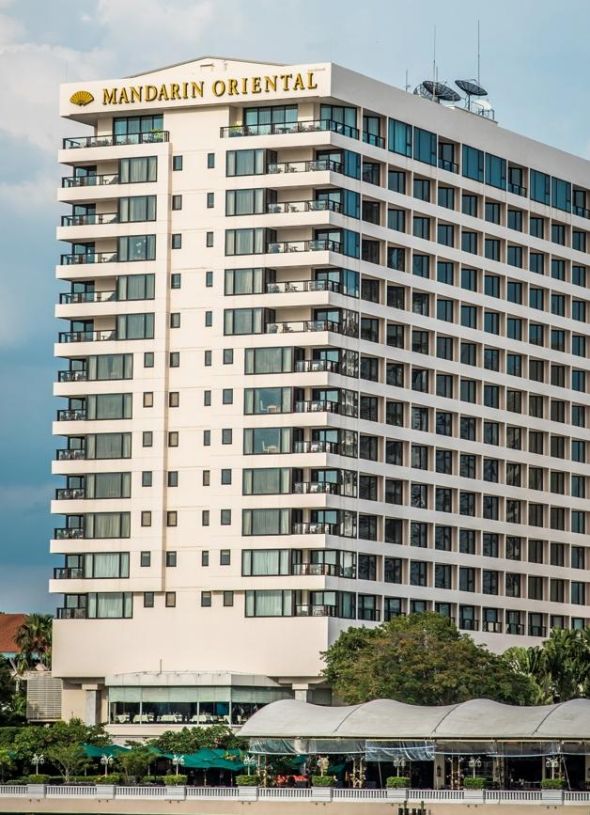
[91, 705]
[439, 771]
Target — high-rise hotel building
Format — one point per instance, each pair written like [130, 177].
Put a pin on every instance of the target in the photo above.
[323, 361]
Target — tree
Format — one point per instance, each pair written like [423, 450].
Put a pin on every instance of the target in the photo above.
[192, 739]
[69, 758]
[6, 762]
[136, 762]
[12, 699]
[34, 640]
[421, 659]
[530, 662]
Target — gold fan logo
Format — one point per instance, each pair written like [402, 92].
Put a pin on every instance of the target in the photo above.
[81, 98]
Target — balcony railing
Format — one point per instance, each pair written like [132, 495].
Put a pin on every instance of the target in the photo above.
[66, 298]
[90, 257]
[72, 613]
[316, 488]
[317, 406]
[70, 455]
[491, 626]
[68, 573]
[320, 570]
[71, 415]
[537, 631]
[297, 326]
[304, 206]
[445, 164]
[310, 528]
[517, 189]
[69, 493]
[311, 366]
[316, 447]
[90, 180]
[68, 533]
[316, 165]
[309, 610]
[310, 126]
[469, 625]
[315, 245]
[90, 219]
[291, 286]
[72, 376]
[115, 140]
[374, 139]
[581, 211]
[514, 628]
[102, 335]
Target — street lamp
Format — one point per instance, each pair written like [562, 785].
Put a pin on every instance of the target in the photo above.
[37, 759]
[106, 761]
[249, 761]
[178, 761]
[399, 762]
[474, 763]
[552, 763]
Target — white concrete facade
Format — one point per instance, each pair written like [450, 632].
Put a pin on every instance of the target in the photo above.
[464, 485]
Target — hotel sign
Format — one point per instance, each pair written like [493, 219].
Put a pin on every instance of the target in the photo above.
[199, 89]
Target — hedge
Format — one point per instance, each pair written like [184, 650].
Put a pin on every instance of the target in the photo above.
[397, 781]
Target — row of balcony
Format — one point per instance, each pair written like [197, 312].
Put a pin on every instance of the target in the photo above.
[116, 140]
[297, 528]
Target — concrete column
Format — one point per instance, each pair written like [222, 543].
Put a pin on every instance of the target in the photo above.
[300, 692]
[91, 704]
[439, 771]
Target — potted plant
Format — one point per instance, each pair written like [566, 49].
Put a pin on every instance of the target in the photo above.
[397, 785]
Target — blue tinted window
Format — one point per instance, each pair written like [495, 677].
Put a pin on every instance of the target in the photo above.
[425, 146]
[561, 194]
[352, 164]
[400, 137]
[473, 163]
[495, 171]
[540, 187]
[350, 243]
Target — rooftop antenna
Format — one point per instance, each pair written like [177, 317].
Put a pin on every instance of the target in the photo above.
[407, 82]
[434, 77]
[478, 55]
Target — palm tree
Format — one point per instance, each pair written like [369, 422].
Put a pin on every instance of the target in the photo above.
[34, 640]
[532, 663]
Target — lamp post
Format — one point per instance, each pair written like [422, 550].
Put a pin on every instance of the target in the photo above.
[178, 761]
[106, 761]
[37, 759]
[249, 762]
[552, 763]
[399, 762]
[474, 763]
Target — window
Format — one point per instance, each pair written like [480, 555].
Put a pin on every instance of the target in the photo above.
[225, 477]
[173, 438]
[148, 599]
[137, 208]
[225, 557]
[138, 170]
[210, 161]
[473, 163]
[177, 202]
[209, 239]
[170, 599]
[136, 248]
[228, 599]
[204, 557]
[176, 163]
[171, 559]
[172, 518]
[400, 137]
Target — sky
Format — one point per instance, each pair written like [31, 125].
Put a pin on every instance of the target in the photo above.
[534, 63]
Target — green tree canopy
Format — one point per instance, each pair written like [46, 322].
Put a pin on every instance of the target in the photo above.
[192, 739]
[420, 659]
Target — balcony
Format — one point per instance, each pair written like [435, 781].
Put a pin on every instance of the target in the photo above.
[70, 493]
[72, 376]
[315, 245]
[311, 126]
[315, 611]
[316, 447]
[316, 488]
[317, 406]
[90, 180]
[68, 533]
[298, 286]
[71, 415]
[313, 366]
[324, 205]
[537, 631]
[70, 573]
[70, 455]
[90, 257]
[311, 528]
[492, 627]
[515, 628]
[67, 298]
[469, 625]
[320, 570]
[581, 211]
[117, 140]
[517, 189]
[72, 614]
[91, 219]
[103, 335]
[298, 326]
[374, 139]
[450, 166]
[317, 165]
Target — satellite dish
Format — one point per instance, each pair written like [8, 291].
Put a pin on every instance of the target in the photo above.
[439, 90]
[421, 90]
[470, 87]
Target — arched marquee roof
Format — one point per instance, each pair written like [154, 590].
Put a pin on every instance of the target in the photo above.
[388, 719]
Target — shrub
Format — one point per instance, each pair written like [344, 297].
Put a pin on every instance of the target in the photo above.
[247, 780]
[111, 778]
[397, 781]
[552, 784]
[38, 779]
[322, 781]
[175, 780]
[474, 782]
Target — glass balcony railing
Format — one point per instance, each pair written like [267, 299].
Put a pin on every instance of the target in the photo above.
[70, 493]
[450, 166]
[90, 180]
[68, 533]
[312, 528]
[115, 140]
[103, 335]
[374, 139]
[316, 488]
[324, 205]
[90, 219]
[298, 286]
[308, 610]
[311, 126]
[517, 189]
[317, 406]
[68, 573]
[70, 455]
[315, 245]
[316, 165]
[313, 366]
[72, 614]
[67, 298]
[89, 257]
[296, 326]
[320, 570]
[316, 447]
[72, 376]
[71, 415]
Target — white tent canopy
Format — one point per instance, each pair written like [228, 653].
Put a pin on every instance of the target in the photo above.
[388, 719]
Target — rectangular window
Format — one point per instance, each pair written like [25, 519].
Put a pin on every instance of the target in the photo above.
[473, 163]
[136, 248]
